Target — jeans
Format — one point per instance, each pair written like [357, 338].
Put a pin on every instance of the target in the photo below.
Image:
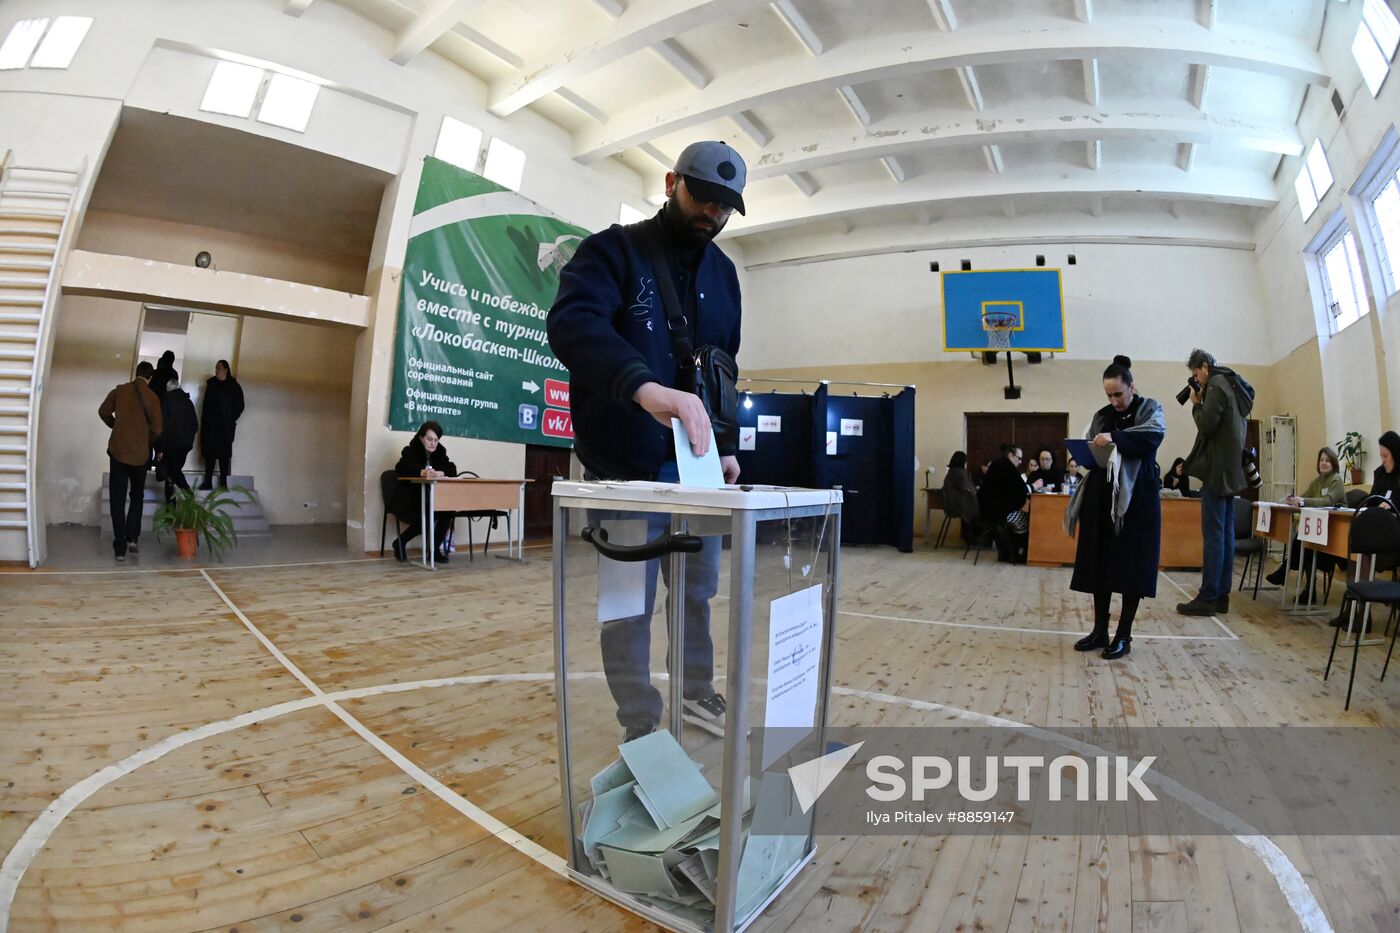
[626, 643]
[1218, 532]
[125, 482]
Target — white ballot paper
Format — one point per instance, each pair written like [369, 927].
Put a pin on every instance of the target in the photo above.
[794, 660]
[696, 471]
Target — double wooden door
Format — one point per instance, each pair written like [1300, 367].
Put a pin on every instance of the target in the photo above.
[987, 432]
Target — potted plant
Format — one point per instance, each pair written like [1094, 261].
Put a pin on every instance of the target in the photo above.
[1353, 454]
[192, 516]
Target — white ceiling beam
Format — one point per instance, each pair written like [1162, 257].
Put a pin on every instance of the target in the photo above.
[488, 45]
[802, 29]
[874, 58]
[1091, 81]
[853, 101]
[683, 62]
[583, 105]
[1139, 182]
[943, 14]
[1084, 10]
[1186, 156]
[1096, 206]
[1008, 209]
[994, 160]
[436, 20]
[639, 27]
[296, 7]
[803, 183]
[1200, 83]
[928, 131]
[613, 8]
[1094, 154]
[657, 156]
[1206, 12]
[752, 127]
[1067, 226]
[895, 168]
[970, 88]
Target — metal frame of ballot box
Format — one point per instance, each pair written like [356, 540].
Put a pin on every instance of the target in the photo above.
[744, 507]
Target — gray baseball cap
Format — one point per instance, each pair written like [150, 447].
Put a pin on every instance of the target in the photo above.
[714, 172]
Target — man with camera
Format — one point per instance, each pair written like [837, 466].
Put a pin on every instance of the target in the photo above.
[637, 308]
[1221, 400]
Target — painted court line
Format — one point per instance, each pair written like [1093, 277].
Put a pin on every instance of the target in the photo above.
[1290, 881]
[1024, 631]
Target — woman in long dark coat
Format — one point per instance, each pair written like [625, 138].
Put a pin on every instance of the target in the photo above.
[223, 403]
[1118, 510]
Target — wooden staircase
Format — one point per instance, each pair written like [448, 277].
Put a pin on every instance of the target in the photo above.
[35, 208]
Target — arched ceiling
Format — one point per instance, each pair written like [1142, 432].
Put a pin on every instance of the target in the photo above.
[879, 125]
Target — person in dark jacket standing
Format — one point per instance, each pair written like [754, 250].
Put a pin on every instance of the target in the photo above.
[165, 371]
[132, 411]
[1003, 500]
[1221, 400]
[1119, 511]
[609, 326]
[223, 403]
[424, 456]
[177, 440]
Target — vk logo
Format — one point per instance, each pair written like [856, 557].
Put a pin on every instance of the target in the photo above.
[529, 417]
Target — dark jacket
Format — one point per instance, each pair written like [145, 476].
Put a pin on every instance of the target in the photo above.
[1121, 561]
[223, 403]
[959, 495]
[608, 326]
[132, 411]
[1003, 491]
[1181, 484]
[1383, 482]
[1220, 427]
[413, 459]
[161, 378]
[1050, 479]
[181, 425]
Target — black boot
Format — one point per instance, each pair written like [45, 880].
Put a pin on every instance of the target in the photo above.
[1277, 577]
[1098, 638]
[1117, 648]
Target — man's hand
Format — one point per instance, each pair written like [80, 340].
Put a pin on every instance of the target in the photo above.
[663, 404]
[730, 466]
[1103, 440]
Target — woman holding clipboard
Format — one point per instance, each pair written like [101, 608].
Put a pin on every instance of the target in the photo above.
[1117, 508]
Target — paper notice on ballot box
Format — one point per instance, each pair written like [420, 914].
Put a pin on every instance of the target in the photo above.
[622, 586]
[794, 661]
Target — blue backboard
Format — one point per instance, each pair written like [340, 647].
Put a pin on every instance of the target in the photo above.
[1032, 295]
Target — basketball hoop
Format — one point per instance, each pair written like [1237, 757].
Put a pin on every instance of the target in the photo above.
[999, 326]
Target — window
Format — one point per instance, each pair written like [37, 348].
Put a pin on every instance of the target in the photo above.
[505, 164]
[1314, 179]
[288, 102]
[61, 43]
[628, 214]
[459, 143]
[1378, 190]
[1386, 209]
[1339, 268]
[1375, 43]
[232, 90]
[21, 42]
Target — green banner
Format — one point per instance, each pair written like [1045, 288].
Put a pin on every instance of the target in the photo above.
[480, 273]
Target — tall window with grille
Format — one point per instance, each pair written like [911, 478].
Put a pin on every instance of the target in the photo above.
[1378, 191]
[1339, 269]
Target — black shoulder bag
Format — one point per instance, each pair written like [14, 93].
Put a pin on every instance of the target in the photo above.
[708, 372]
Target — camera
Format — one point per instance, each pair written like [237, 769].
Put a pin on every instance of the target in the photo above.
[1184, 395]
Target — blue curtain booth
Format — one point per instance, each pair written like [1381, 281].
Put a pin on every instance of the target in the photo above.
[778, 458]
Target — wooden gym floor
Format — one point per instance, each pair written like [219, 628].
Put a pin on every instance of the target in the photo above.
[364, 746]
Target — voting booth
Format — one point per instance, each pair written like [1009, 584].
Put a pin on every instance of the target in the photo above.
[693, 826]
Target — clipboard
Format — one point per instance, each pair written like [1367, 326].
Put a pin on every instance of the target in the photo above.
[1085, 452]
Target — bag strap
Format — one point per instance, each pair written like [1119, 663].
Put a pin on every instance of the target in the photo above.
[144, 410]
[649, 234]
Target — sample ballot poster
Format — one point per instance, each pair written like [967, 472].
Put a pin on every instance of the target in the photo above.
[794, 660]
[480, 273]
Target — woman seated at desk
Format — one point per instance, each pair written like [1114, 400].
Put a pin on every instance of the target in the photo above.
[426, 458]
[1176, 478]
[1326, 491]
[1385, 483]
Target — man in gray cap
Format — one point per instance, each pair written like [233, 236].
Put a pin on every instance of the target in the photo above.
[630, 375]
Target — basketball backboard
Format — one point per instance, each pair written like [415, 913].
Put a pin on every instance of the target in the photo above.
[975, 304]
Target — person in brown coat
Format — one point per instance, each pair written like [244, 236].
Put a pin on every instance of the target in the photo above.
[132, 411]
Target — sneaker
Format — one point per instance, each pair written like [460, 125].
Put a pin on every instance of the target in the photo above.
[636, 732]
[707, 713]
[132, 547]
[1199, 607]
[1222, 605]
[121, 558]
[442, 556]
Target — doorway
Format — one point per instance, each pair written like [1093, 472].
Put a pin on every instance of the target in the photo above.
[987, 432]
[543, 465]
[199, 339]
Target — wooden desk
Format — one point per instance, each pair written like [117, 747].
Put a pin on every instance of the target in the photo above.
[1182, 546]
[933, 499]
[1283, 529]
[465, 494]
[1338, 532]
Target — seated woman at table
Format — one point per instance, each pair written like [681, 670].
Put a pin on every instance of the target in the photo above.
[424, 457]
[1176, 478]
[1003, 501]
[1072, 474]
[959, 495]
[1045, 478]
[1385, 483]
[1118, 511]
[1326, 491]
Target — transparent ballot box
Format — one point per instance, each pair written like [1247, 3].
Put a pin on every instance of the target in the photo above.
[665, 596]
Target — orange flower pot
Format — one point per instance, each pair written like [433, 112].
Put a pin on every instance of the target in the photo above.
[186, 540]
